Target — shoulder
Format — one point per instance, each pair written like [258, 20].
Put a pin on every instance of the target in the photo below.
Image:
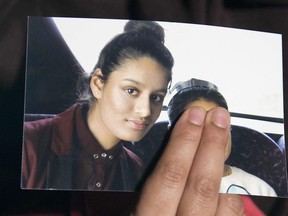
[43, 127]
[38, 125]
[241, 173]
[256, 185]
[40, 129]
[244, 176]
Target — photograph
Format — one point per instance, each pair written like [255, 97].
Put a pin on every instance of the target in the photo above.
[103, 95]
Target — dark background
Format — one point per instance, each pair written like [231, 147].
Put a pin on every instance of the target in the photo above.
[263, 15]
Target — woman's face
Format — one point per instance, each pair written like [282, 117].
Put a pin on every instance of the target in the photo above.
[207, 105]
[129, 103]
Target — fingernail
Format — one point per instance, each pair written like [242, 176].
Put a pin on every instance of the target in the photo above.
[221, 118]
[197, 115]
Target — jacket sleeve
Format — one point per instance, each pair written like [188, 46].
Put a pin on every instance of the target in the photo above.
[35, 153]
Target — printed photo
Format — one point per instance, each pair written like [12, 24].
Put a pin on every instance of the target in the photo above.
[103, 95]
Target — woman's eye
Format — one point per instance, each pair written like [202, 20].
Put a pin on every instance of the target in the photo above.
[131, 91]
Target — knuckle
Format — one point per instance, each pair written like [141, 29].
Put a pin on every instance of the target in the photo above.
[207, 189]
[173, 174]
[235, 204]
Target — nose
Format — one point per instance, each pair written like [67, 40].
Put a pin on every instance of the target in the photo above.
[143, 106]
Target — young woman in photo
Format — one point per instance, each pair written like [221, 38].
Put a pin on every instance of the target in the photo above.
[83, 147]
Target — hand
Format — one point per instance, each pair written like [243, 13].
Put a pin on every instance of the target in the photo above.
[187, 178]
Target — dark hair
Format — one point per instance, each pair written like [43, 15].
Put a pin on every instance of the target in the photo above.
[189, 94]
[139, 39]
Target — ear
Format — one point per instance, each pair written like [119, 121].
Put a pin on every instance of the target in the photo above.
[96, 84]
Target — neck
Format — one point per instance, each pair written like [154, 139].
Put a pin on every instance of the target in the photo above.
[95, 124]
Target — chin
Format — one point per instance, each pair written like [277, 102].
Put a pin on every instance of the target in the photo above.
[132, 135]
[137, 140]
[133, 138]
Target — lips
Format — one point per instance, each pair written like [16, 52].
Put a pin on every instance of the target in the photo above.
[137, 124]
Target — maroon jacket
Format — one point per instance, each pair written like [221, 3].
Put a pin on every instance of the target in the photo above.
[62, 153]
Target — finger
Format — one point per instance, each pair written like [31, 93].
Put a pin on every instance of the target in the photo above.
[163, 189]
[230, 204]
[201, 193]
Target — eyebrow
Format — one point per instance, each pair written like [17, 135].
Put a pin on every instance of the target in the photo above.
[131, 80]
[140, 84]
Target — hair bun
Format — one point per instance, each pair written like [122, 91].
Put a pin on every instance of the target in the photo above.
[147, 28]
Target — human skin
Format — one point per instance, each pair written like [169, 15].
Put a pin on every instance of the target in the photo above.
[187, 178]
[129, 102]
[208, 105]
